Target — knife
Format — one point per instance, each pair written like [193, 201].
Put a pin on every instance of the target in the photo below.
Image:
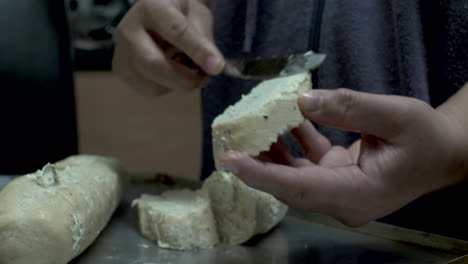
[262, 68]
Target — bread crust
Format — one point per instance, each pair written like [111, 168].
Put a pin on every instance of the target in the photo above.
[54, 214]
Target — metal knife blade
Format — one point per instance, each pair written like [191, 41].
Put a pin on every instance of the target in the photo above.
[272, 67]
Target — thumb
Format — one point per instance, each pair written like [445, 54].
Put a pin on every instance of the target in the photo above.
[379, 115]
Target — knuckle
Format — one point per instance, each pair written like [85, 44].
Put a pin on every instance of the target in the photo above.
[149, 12]
[410, 112]
[146, 61]
[206, 12]
[122, 32]
[179, 29]
[346, 100]
[296, 193]
[144, 7]
[145, 3]
[297, 196]
[323, 143]
[200, 51]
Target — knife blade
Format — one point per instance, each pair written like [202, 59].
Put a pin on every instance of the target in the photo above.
[264, 68]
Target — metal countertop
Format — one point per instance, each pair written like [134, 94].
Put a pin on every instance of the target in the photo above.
[300, 238]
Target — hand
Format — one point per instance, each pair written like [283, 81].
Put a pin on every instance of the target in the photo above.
[407, 149]
[154, 39]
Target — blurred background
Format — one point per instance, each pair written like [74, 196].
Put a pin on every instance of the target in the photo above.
[150, 135]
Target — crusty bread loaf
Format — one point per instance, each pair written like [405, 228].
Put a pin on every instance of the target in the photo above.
[233, 206]
[255, 122]
[178, 219]
[54, 214]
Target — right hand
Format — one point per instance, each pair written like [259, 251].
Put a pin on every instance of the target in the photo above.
[154, 37]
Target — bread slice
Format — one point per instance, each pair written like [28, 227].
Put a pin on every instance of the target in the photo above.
[255, 122]
[178, 219]
[240, 211]
[233, 206]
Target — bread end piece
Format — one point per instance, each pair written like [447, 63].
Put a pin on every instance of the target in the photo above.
[270, 211]
[259, 118]
[241, 212]
[178, 219]
[233, 206]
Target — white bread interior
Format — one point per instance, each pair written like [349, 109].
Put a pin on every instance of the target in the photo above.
[233, 206]
[240, 211]
[178, 219]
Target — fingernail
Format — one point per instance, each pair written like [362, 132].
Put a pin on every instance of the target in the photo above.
[231, 169]
[311, 101]
[213, 64]
[228, 157]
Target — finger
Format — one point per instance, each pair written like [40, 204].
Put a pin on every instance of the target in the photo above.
[311, 188]
[201, 17]
[167, 20]
[279, 153]
[146, 58]
[342, 193]
[314, 144]
[137, 54]
[284, 182]
[379, 115]
[354, 150]
[336, 157]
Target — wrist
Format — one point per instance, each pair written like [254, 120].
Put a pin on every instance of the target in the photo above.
[455, 111]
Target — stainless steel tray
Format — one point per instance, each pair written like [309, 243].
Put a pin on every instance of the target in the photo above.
[300, 238]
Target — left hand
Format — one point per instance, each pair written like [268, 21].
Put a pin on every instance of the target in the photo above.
[407, 149]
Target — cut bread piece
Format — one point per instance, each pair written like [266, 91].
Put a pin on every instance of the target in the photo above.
[259, 118]
[240, 211]
[178, 219]
[233, 205]
[269, 212]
